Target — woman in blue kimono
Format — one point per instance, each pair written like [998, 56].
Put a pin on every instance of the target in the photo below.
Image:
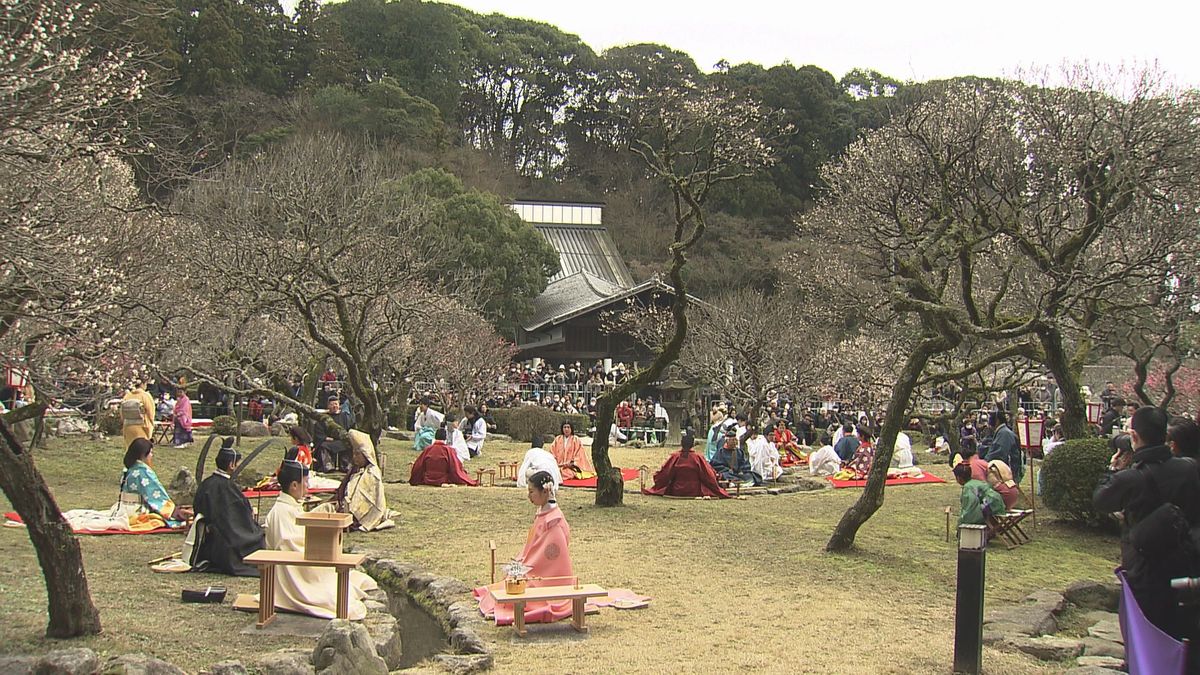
[140, 488]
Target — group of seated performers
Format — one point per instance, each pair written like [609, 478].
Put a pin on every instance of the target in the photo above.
[686, 474]
[546, 554]
[573, 462]
[307, 590]
[439, 464]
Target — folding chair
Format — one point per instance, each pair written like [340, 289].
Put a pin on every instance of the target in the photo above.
[164, 432]
[1007, 526]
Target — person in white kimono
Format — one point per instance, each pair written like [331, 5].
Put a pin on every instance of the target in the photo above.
[475, 429]
[538, 459]
[425, 421]
[764, 456]
[615, 436]
[307, 590]
[902, 455]
[455, 438]
[825, 461]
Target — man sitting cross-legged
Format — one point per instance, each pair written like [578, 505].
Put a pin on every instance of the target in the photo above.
[307, 590]
[731, 463]
[439, 465]
[225, 528]
[686, 474]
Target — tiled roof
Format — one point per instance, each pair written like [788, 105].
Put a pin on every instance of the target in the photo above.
[586, 248]
[566, 296]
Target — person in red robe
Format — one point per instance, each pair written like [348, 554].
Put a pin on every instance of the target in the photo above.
[438, 464]
[785, 443]
[686, 474]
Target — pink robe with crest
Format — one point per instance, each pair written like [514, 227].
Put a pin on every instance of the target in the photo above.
[547, 554]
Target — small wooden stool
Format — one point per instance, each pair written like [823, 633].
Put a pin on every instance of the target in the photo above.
[508, 470]
[490, 473]
[577, 596]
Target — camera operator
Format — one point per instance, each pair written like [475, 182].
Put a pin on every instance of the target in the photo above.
[1158, 495]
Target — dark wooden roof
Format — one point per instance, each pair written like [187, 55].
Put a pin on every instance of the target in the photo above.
[586, 248]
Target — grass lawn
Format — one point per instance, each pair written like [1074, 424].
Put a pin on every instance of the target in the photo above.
[736, 584]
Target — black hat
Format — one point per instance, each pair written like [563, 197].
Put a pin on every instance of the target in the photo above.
[290, 471]
[228, 454]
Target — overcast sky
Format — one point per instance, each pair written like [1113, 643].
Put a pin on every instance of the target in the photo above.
[918, 40]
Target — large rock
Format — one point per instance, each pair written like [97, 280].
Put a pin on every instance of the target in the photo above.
[281, 428]
[385, 634]
[1096, 647]
[1048, 648]
[397, 435]
[1051, 600]
[71, 425]
[1091, 670]
[17, 665]
[1094, 595]
[1107, 630]
[1031, 620]
[461, 664]
[1101, 662]
[79, 661]
[140, 664]
[468, 641]
[252, 429]
[346, 647]
[285, 662]
[183, 486]
[227, 668]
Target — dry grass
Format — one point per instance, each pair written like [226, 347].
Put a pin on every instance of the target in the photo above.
[736, 584]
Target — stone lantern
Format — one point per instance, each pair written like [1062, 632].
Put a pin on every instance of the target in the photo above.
[676, 395]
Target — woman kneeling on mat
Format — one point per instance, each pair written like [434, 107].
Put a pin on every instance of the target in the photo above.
[546, 554]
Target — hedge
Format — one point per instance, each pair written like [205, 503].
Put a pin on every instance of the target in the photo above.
[1070, 475]
[224, 425]
[522, 422]
[110, 423]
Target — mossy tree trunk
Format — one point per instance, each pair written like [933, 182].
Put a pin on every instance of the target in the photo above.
[69, 601]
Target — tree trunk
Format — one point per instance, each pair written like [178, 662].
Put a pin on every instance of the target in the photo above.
[1074, 419]
[69, 601]
[871, 498]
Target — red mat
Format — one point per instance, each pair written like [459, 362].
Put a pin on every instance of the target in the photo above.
[927, 478]
[255, 494]
[626, 475]
[162, 530]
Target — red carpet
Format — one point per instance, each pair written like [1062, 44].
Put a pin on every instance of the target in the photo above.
[162, 530]
[927, 478]
[255, 494]
[626, 475]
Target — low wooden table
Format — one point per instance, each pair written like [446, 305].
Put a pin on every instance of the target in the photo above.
[577, 596]
[266, 560]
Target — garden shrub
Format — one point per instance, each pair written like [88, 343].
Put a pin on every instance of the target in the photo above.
[110, 423]
[224, 425]
[1070, 475]
[522, 422]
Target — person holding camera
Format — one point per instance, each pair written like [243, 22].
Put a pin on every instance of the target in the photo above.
[1158, 496]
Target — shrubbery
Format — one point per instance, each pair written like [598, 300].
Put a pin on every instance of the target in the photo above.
[110, 423]
[522, 422]
[224, 425]
[1070, 475]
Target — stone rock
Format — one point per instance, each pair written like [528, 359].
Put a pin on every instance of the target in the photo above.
[71, 425]
[17, 665]
[252, 429]
[1051, 600]
[285, 662]
[1097, 647]
[461, 613]
[420, 581]
[346, 647]
[182, 484]
[79, 661]
[1094, 595]
[1101, 662]
[227, 668]
[467, 641]
[281, 428]
[385, 634]
[1091, 670]
[1107, 630]
[140, 664]
[1095, 616]
[460, 664]
[1031, 620]
[446, 591]
[1048, 648]
[404, 436]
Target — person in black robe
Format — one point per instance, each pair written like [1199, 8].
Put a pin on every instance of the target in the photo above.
[731, 462]
[228, 531]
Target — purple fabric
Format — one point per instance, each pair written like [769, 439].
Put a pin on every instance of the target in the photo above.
[1148, 650]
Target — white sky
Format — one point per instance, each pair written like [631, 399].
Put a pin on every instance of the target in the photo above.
[917, 40]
